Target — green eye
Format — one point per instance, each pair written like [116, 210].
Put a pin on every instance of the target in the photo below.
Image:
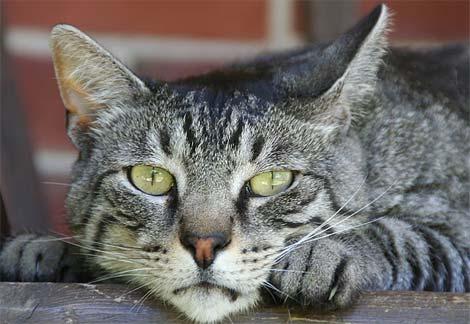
[271, 183]
[151, 180]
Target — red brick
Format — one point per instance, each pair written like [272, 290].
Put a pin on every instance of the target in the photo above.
[39, 96]
[216, 19]
[427, 20]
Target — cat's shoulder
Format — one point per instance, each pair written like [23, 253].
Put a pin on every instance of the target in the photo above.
[441, 70]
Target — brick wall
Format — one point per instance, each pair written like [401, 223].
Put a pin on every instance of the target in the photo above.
[171, 39]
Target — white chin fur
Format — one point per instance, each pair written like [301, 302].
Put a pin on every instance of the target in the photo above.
[204, 307]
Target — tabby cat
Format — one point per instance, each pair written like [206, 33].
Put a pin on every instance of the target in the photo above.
[316, 174]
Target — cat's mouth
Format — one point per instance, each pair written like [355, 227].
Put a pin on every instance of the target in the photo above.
[232, 294]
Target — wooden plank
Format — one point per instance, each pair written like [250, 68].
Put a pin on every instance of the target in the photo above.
[83, 303]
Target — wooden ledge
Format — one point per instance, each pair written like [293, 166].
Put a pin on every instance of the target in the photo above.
[83, 303]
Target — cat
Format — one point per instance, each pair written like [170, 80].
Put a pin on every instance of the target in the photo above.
[315, 174]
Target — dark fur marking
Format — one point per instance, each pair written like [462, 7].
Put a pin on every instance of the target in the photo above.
[152, 249]
[442, 274]
[330, 192]
[338, 274]
[446, 233]
[235, 137]
[187, 127]
[284, 223]
[94, 193]
[386, 239]
[465, 271]
[102, 223]
[241, 202]
[286, 266]
[133, 224]
[39, 258]
[133, 227]
[307, 264]
[300, 205]
[426, 187]
[257, 147]
[165, 141]
[172, 205]
[413, 260]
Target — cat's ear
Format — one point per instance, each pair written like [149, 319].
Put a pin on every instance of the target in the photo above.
[89, 77]
[368, 41]
[343, 73]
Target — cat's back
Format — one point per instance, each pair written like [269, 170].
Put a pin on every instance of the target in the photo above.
[417, 133]
[440, 74]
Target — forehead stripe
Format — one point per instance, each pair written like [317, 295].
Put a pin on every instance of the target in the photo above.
[165, 141]
[187, 128]
[257, 147]
[235, 137]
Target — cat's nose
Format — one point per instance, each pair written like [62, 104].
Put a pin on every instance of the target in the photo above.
[204, 248]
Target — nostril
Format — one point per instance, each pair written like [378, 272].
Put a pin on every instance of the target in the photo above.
[220, 243]
[205, 247]
[189, 242]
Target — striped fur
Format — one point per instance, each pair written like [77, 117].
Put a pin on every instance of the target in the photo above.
[378, 143]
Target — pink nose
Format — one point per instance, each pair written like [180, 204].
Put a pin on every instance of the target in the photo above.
[205, 248]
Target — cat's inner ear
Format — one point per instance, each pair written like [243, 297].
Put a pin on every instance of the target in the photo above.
[89, 77]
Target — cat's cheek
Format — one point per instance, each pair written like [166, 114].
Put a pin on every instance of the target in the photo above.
[207, 308]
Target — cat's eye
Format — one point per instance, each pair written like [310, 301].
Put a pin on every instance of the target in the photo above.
[270, 183]
[151, 180]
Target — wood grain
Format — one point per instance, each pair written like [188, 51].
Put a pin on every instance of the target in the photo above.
[83, 303]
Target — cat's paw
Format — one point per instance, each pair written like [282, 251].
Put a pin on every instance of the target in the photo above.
[323, 274]
[31, 257]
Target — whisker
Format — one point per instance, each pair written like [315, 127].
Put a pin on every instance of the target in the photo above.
[269, 292]
[358, 211]
[135, 289]
[119, 273]
[56, 183]
[143, 299]
[105, 257]
[96, 250]
[308, 237]
[45, 240]
[312, 233]
[288, 270]
[347, 229]
[339, 210]
[271, 286]
[119, 276]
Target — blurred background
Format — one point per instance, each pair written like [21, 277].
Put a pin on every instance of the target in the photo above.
[164, 40]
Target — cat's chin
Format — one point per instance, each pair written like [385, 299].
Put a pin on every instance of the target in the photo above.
[211, 305]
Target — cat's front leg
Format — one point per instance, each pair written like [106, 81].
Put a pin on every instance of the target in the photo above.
[328, 273]
[32, 257]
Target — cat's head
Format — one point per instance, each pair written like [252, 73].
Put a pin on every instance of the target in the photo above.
[192, 189]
